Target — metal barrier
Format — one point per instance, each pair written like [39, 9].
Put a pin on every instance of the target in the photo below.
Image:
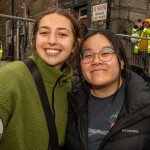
[141, 59]
[15, 38]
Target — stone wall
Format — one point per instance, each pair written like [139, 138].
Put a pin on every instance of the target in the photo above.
[38, 6]
[124, 12]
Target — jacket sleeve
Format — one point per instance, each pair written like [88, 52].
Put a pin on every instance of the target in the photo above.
[73, 139]
[6, 98]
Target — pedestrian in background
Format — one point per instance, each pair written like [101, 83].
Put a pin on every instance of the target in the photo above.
[144, 47]
[109, 108]
[23, 124]
[136, 32]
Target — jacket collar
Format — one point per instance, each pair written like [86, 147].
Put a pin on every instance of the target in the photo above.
[51, 74]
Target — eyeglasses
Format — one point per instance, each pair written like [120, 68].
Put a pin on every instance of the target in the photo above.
[104, 55]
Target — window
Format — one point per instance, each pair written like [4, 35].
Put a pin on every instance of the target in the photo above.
[82, 13]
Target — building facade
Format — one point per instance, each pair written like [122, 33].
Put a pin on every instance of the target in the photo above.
[116, 15]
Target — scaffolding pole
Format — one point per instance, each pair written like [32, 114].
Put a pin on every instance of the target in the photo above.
[15, 48]
[16, 18]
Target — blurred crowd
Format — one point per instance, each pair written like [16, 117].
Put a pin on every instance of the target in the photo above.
[141, 31]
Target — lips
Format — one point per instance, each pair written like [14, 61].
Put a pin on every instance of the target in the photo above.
[97, 69]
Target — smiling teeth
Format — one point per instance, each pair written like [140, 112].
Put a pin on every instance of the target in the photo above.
[52, 51]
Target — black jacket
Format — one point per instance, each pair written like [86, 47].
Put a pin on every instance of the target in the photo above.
[132, 128]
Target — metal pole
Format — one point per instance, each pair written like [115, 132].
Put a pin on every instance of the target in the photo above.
[16, 18]
[72, 6]
[89, 13]
[17, 40]
[130, 36]
[108, 14]
[12, 39]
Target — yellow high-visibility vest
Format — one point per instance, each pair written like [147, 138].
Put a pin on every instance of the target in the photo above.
[1, 51]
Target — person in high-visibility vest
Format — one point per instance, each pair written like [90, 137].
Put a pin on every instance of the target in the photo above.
[137, 30]
[1, 50]
[144, 46]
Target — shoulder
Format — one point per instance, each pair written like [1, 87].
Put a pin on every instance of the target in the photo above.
[79, 94]
[13, 72]
[146, 30]
[138, 81]
[137, 71]
[81, 87]
[15, 66]
[138, 90]
[11, 78]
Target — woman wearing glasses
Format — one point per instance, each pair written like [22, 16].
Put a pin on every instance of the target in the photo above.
[110, 108]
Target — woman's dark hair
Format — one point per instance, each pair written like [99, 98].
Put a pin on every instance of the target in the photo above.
[75, 29]
[117, 45]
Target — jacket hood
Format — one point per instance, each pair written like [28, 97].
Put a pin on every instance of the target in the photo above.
[138, 92]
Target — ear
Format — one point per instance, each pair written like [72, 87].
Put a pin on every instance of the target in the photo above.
[76, 45]
[122, 64]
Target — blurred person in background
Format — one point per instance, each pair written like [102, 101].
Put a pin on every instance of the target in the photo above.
[144, 47]
[136, 32]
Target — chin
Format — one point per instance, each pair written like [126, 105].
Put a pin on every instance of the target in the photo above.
[98, 83]
[98, 86]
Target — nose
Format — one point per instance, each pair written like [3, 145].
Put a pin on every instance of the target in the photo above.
[52, 39]
[96, 59]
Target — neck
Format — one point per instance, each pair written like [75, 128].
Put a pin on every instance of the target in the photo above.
[106, 91]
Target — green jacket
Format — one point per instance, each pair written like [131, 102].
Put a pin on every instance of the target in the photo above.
[21, 112]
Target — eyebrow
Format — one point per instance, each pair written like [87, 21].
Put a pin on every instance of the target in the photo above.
[88, 49]
[59, 28]
[110, 47]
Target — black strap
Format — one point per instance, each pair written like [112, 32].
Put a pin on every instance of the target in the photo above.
[53, 142]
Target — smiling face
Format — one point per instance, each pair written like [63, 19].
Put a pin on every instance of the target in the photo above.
[100, 74]
[54, 40]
